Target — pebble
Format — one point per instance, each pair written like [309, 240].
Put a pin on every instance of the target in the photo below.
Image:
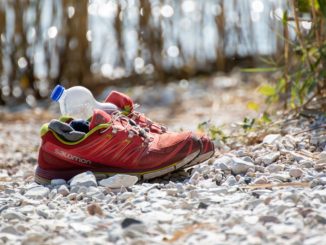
[208, 203]
[322, 155]
[10, 215]
[239, 166]
[119, 180]
[274, 168]
[271, 138]
[194, 178]
[284, 177]
[94, 209]
[296, 172]
[261, 180]
[223, 163]
[306, 163]
[37, 192]
[270, 158]
[230, 181]
[84, 179]
[63, 190]
[58, 182]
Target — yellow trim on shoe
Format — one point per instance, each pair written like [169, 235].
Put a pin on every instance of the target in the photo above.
[100, 126]
[45, 129]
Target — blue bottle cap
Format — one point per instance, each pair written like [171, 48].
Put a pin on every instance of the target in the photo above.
[57, 92]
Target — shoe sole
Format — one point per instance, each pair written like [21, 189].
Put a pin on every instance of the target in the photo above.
[146, 175]
[200, 159]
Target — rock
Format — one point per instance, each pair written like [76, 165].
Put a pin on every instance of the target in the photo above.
[63, 190]
[321, 161]
[306, 163]
[42, 211]
[130, 221]
[284, 177]
[84, 179]
[38, 192]
[94, 209]
[119, 180]
[248, 159]
[223, 163]
[230, 181]
[268, 219]
[322, 181]
[10, 230]
[58, 182]
[296, 156]
[194, 178]
[240, 153]
[322, 155]
[271, 138]
[296, 172]
[280, 229]
[239, 166]
[320, 166]
[270, 158]
[274, 168]
[10, 215]
[207, 183]
[53, 193]
[261, 180]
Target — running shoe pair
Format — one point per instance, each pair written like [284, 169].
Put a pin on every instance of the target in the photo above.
[123, 142]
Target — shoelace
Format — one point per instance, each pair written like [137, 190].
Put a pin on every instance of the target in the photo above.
[128, 125]
[135, 115]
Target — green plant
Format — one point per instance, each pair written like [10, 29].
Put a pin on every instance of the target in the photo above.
[303, 63]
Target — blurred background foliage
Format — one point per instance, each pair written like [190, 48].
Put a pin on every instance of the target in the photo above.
[97, 43]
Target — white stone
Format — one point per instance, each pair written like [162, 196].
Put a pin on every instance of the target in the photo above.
[261, 180]
[322, 180]
[230, 181]
[270, 158]
[84, 179]
[53, 193]
[223, 163]
[194, 178]
[322, 155]
[239, 166]
[284, 177]
[38, 192]
[58, 182]
[296, 156]
[10, 214]
[280, 229]
[306, 163]
[271, 138]
[63, 190]
[119, 180]
[296, 172]
[274, 168]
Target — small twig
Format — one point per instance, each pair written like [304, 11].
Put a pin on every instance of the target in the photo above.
[280, 185]
[310, 129]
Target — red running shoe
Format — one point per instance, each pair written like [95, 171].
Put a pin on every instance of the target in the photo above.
[126, 105]
[113, 146]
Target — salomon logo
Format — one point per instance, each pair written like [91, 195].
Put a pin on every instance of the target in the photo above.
[71, 157]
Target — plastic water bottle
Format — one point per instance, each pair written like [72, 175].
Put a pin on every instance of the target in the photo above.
[78, 102]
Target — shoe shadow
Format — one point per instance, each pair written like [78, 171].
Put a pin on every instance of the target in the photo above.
[178, 176]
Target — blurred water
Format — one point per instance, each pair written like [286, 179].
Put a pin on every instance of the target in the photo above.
[191, 34]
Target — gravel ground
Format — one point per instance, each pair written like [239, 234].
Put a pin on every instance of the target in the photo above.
[268, 193]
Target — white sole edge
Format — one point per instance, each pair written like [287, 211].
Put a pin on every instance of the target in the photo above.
[200, 159]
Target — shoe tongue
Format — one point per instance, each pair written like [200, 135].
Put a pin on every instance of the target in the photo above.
[99, 117]
[123, 101]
